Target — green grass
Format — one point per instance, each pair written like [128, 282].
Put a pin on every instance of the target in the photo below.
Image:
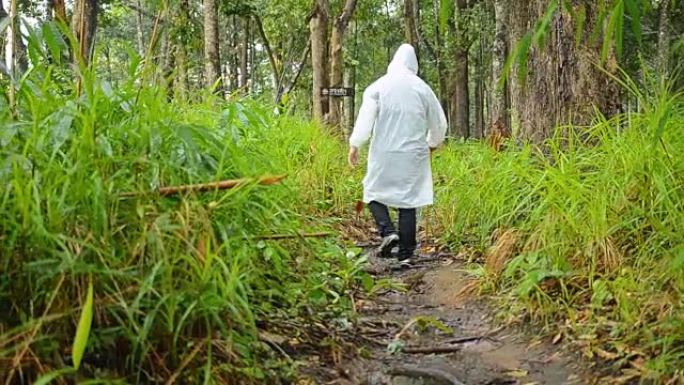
[182, 284]
[598, 221]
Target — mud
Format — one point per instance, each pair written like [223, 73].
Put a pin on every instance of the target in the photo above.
[442, 335]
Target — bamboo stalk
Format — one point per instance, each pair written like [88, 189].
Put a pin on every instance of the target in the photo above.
[212, 186]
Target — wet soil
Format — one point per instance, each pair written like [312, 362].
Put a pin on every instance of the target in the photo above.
[434, 333]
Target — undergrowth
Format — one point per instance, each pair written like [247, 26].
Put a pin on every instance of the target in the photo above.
[182, 285]
[583, 234]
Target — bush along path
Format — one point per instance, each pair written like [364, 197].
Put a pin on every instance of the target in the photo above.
[423, 325]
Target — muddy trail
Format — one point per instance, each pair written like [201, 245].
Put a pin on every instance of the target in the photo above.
[432, 332]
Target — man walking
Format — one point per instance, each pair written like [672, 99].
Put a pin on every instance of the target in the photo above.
[406, 122]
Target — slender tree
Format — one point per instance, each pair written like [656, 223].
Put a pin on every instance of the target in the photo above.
[664, 36]
[318, 26]
[337, 59]
[459, 110]
[212, 58]
[499, 87]
[243, 83]
[84, 26]
[411, 23]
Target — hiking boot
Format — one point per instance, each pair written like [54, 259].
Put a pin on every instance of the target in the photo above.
[388, 243]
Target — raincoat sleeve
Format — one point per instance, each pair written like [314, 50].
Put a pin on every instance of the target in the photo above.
[437, 123]
[366, 119]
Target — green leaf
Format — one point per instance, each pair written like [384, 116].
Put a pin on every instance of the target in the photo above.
[83, 329]
[54, 41]
[48, 377]
[662, 122]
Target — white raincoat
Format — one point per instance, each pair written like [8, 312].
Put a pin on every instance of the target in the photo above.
[405, 119]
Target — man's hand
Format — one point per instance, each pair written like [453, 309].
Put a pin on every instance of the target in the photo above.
[353, 157]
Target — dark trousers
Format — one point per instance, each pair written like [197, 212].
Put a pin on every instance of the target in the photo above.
[407, 226]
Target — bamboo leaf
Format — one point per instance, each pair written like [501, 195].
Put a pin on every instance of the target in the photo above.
[542, 26]
[662, 122]
[83, 329]
[53, 375]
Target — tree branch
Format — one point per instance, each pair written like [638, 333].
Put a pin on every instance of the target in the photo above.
[267, 45]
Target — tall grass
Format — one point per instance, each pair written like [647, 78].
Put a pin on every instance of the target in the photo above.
[596, 220]
[182, 285]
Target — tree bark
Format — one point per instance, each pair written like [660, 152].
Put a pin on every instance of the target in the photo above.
[563, 85]
[318, 26]
[139, 28]
[337, 60]
[233, 54]
[182, 18]
[500, 88]
[411, 22]
[478, 129]
[84, 25]
[212, 57]
[57, 11]
[442, 74]
[19, 60]
[244, 57]
[459, 110]
[664, 37]
[3, 42]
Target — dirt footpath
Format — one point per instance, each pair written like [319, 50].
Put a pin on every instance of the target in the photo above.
[434, 334]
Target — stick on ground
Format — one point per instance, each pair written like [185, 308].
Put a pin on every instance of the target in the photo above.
[212, 186]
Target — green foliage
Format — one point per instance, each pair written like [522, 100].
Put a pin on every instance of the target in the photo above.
[598, 216]
[83, 328]
[169, 272]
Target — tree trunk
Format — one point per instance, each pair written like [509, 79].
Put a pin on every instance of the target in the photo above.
[479, 93]
[664, 36]
[3, 42]
[442, 74]
[500, 88]
[411, 22]
[181, 85]
[57, 11]
[563, 84]
[350, 82]
[319, 52]
[233, 54]
[459, 110]
[212, 58]
[139, 28]
[83, 26]
[244, 57]
[337, 60]
[19, 62]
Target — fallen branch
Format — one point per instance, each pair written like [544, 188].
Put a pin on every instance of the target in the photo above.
[212, 186]
[415, 371]
[431, 349]
[298, 235]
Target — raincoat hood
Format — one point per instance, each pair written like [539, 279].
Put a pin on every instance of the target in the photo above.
[404, 60]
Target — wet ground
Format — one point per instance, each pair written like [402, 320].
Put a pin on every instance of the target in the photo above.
[436, 332]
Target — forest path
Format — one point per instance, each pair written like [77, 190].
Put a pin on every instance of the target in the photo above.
[442, 336]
